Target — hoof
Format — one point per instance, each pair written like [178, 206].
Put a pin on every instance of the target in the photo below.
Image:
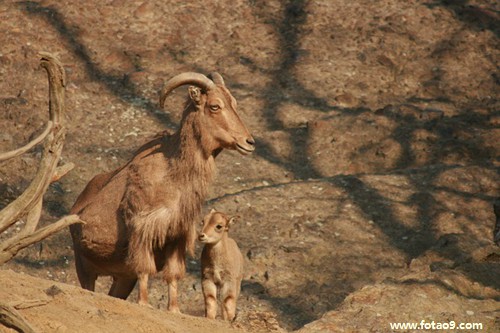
[145, 304]
[174, 309]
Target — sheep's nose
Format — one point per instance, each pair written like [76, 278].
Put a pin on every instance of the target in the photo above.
[251, 141]
[201, 236]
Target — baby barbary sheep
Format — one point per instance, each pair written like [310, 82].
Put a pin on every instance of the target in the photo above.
[221, 265]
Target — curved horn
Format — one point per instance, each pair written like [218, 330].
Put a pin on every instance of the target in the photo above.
[195, 79]
[217, 78]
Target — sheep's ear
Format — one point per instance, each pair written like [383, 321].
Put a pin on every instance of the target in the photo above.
[212, 210]
[195, 94]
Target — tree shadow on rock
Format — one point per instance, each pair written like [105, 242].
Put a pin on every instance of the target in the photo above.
[118, 85]
[474, 16]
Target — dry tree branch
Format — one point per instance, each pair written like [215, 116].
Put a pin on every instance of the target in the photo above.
[30, 202]
[12, 246]
[11, 318]
[28, 199]
[14, 153]
[61, 171]
[32, 303]
[52, 147]
[32, 218]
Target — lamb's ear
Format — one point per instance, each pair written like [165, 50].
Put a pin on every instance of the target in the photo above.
[212, 210]
[195, 94]
[233, 219]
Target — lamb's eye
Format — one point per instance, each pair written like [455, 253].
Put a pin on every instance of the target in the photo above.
[218, 227]
[214, 108]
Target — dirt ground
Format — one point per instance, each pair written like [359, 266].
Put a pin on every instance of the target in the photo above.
[368, 200]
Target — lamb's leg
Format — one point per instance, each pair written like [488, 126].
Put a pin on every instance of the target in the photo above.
[230, 307]
[143, 289]
[210, 294]
[238, 288]
[228, 296]
[122, 288]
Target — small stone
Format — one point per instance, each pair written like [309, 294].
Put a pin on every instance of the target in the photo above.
[53, 291]
[257, 252]
[346, 100]
[144, 11]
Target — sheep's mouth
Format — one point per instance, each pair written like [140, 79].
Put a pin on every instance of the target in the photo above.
[244, 150]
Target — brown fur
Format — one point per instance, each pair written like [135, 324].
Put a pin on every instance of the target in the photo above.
[139, 218]
[221, 265]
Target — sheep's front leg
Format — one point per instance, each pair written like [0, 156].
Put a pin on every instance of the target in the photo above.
[143, 289]
[210, 294]
[173, 271]
[172, 297]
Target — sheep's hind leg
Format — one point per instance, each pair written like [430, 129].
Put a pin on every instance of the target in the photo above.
[86, 275]
[121, 288]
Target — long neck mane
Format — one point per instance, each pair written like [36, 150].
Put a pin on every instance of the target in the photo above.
[190, 170]
[193, 166]
[193, 159]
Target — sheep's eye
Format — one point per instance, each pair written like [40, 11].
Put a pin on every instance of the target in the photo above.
[214, 108]
[218, 227]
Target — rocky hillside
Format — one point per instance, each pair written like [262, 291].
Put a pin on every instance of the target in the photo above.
[369, 198]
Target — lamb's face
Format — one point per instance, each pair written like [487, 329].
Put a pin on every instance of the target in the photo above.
[215, 224]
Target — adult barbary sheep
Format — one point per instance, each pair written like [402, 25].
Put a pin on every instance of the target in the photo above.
[221, 265]
[139, 219]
